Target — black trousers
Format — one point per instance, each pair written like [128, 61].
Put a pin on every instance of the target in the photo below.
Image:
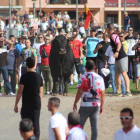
[32, 113]
[131, 59]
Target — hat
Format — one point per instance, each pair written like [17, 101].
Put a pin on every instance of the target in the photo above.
[105, 71]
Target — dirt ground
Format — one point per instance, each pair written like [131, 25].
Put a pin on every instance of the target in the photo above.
[108, 122]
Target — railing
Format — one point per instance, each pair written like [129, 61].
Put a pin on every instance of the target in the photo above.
[67, 2]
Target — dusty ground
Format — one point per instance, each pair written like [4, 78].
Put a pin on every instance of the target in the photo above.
[108, 122]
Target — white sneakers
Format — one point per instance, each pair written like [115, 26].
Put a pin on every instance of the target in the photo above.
[11, 94]
[1, 94]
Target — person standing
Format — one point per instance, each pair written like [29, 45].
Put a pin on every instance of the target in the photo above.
[3, 67]
[129, 130]
[13, 63]
[25, 53]
[31, 91]
[77, 50]
[31, 35]
[136, 47]
[120, 60]
[91, 44]
[100, 62]
[45, 69]
[37, 47]
[91, 90]
[126, 21]
[58, 129]
[75, 130]
[132, 40]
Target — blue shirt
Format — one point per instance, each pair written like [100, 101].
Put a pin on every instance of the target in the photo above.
[126, 20]
[91, 45]
[18, 47]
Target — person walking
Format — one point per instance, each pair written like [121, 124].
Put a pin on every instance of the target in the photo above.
[91, 90]
[75, 130]
[58, 129]
[31, 91]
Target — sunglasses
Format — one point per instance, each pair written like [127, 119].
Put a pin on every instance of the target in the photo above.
[130, 30]
[126, 118]
[120, 36]
[40, 37]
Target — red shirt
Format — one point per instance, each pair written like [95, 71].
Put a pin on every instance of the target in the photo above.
[45, 61]
[75, 46]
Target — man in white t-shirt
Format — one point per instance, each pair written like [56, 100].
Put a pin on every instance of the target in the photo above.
[76, 132]
[37, 47]
[2, 24]
[129, 130]
[58, 124]
[91, 90]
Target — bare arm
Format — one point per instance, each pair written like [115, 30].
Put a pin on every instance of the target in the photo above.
[106, 61]
[134, 47]
[128, 22]
[102, 93]
[118, 49]
[67, 131]
[28, 34]
[19, 94]
[41, 92]
[35, 61]
[17, 63]
[78, 96]
[57, 133]
[97, 48]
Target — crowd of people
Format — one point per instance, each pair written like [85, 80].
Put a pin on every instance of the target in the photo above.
[24, 66]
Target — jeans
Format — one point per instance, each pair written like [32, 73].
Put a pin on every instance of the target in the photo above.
[122, 84]
[83, 69]
[38, 68]
[12, 74]
[126, 27]
[47, 77]
[92, 113]
[7, 86]
[112, 76]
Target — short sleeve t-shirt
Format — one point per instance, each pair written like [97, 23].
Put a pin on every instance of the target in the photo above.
[45, 61]
[110, 54]
[37, 47]
[102, 50]
[75, 46]
[25, 53]
[57, 121]
[32, 82]
[11, 59]
[92, 84]
[91, 44]
[77, 133]
[131, 41]
[126, 20]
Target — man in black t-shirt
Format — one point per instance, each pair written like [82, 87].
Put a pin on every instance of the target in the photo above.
[31, 90]
[26, 130]
[120, 61]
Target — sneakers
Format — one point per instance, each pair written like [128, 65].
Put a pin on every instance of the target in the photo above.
[48, 93]
[127, 94]
[70, 84]
[117, 94]
[110, 86]
[1, 94]
[11, 94]
[16, 86]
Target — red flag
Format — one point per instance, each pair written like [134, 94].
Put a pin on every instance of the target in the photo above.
[88, 17]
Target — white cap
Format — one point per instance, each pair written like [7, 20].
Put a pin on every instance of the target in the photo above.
[105, 71]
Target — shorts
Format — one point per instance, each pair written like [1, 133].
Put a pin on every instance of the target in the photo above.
[137, 70]
[77, 65]
[121, 65]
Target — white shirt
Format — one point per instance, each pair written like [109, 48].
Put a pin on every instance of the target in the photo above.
[82, 30]
[77, 133]
[57, 120]
[23, 46]
[37, 47]
[44, 25]
[110, 54]
[87, 82]
[2, 25]
[133, 134]
[59, 24]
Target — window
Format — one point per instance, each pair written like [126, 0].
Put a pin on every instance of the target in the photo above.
[67, 1]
